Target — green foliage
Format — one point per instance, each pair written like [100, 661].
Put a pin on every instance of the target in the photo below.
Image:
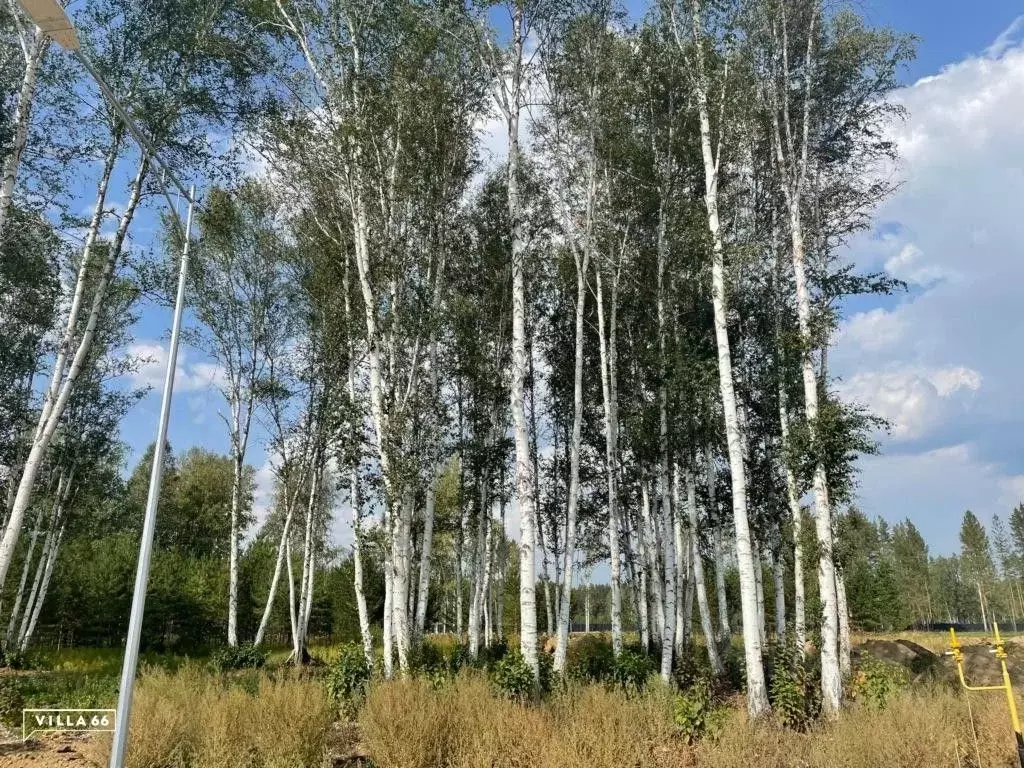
[875, 682]
[244, 656]
[792, 686]
[631, 671]
[349, 677]
[491, 654]
[427, 659]
[14, 659]
[11, 701]
[698, 713]
[590, 658]
[513, 677]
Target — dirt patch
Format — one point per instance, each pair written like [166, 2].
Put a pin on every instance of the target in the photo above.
[57, 750]
[892, 651]
[981, 667]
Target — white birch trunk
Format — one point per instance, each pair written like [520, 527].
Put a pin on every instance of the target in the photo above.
[524, 467]
[793, 172]
[27, 565]
[635, 559]
[759, 582]
[683, 565]
[757, 693]
[668, 631]
[691, 589]
[609, 392]
[291, 595]
[236, 498]
[37, 604]
[357, 563]
[475, 606]
[278, 566]
[779, 574]
[650, 549]
[486, 589]
[703, 606]
[723, 603]
[569, 551]
[35, 49]
[712, 487]
[423, 585]
[845, 662]
[63, 379]
[669, 608]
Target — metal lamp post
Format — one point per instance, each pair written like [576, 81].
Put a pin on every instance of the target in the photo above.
[50, 17]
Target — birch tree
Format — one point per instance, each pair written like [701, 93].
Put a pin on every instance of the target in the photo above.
[239, 297]
[693, 41]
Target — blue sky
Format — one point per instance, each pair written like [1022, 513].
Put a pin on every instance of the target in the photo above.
[941, 362]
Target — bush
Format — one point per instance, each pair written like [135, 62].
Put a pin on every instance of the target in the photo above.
[876, 681]
[491, 654]
[631, 671]
[590, 659]
[425, 658]
[237, 657]
[19, 660]
[349, 677]
[513, 676]
[456, 658]
[792, 689]
[11, 702]
[698, 714]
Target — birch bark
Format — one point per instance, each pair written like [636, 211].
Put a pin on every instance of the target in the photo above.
[757, 693]
[703, 606]
[62, 382]
[34, 47]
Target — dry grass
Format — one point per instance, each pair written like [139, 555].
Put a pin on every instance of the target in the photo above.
[463, 725]
[191, 719]
[409, 724]
[916, 729]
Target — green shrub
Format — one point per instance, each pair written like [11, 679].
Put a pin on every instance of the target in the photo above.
[631, 671]
[590, 659]
[698, 714]
[546, 671]
[19, 660]
[349, 677]
[229, 657]
[513, 677]
[792, 688]
[456, 658]
[11, 702]
[427, 659]
[490, 655]
[876, 682]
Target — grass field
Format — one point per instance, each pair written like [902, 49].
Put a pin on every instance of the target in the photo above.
[188, 716]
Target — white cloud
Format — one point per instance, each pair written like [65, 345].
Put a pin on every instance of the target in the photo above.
[188, 376]
[940, 361]
[913, 400]
[910, 266]
[874, 330]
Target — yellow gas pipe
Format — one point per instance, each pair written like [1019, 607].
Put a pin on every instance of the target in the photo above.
[1000, 651]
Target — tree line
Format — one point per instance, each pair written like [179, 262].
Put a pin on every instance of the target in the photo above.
[616, 335]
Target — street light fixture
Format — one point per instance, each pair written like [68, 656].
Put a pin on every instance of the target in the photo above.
[51, 18]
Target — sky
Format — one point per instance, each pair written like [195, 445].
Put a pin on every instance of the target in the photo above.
[941, 362]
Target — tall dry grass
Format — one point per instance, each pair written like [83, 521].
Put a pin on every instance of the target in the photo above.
[918, 728]
[410, 724]
[191, 719]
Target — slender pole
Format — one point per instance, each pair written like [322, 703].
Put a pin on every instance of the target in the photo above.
[131, 649]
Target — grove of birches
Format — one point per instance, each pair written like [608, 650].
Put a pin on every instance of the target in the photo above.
[531, 300]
